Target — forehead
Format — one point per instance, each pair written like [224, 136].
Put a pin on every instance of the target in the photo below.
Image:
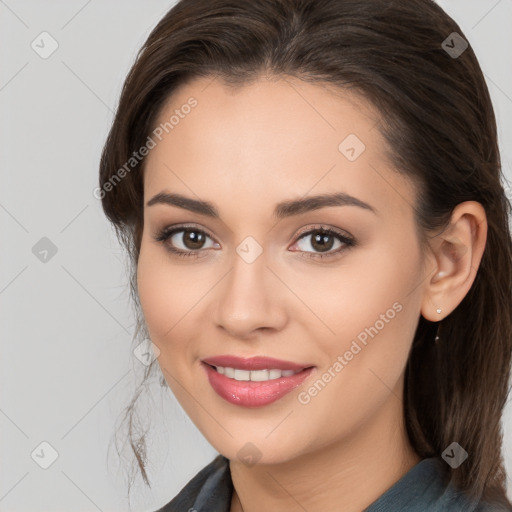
[274, 139]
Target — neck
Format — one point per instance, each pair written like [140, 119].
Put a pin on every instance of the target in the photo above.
[347, 475]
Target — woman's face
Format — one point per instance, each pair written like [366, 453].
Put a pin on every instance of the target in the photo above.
[252, 281]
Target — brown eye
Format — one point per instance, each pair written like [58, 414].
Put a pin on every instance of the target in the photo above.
[193, 239]
[322, 240]
[183, 240]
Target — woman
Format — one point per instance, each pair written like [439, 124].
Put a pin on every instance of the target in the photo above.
[310, 194]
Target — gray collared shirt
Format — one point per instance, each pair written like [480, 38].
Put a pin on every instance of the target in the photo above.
[421, 489]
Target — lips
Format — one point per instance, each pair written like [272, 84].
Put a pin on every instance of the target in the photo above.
[250, 393]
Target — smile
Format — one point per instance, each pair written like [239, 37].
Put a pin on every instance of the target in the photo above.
[253, 382]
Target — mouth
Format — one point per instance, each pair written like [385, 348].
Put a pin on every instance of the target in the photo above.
[256, 381]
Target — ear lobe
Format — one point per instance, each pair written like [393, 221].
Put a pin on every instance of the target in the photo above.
[457, 251]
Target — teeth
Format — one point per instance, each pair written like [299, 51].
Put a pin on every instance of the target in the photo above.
[255, 375]
[274, 374]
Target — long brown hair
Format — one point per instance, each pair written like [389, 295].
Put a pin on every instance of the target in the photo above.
[437, 117]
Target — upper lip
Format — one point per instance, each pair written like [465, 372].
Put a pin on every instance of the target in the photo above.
[254, 363]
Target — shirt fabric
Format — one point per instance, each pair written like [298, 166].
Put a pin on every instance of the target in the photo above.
[421, 489]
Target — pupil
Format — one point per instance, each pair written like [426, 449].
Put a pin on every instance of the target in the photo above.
[320, 242]
[193, 240]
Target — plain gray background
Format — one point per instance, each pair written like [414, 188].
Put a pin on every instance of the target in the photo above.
[67, 369]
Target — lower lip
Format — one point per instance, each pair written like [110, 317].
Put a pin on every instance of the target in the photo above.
[253, 394]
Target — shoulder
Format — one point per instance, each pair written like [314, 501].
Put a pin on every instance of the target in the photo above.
[454, 499]
[484, 506]
[427, 488]
[210, 489]
[459, 502]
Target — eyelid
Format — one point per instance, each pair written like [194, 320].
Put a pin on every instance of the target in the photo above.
[182, 227]
[301, 232]
[323, 227]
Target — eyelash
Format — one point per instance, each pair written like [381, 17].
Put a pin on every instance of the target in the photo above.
[166, 233]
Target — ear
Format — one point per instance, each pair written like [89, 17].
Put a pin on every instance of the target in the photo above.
[455, 258]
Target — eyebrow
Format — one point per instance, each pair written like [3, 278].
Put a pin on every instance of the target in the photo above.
[281, 211]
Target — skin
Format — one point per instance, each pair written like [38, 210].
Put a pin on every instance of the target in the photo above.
[245, 150]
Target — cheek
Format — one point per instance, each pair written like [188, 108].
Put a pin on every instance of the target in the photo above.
[162, 306]
[157, 286]
[371, 309]
[149, 291]
[170, 295]
[366, 289]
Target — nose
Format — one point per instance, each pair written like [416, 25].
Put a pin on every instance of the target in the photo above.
[250, 299]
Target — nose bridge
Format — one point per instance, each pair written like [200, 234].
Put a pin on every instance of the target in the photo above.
[249, 298]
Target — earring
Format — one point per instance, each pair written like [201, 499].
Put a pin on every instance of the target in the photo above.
[436, 339]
